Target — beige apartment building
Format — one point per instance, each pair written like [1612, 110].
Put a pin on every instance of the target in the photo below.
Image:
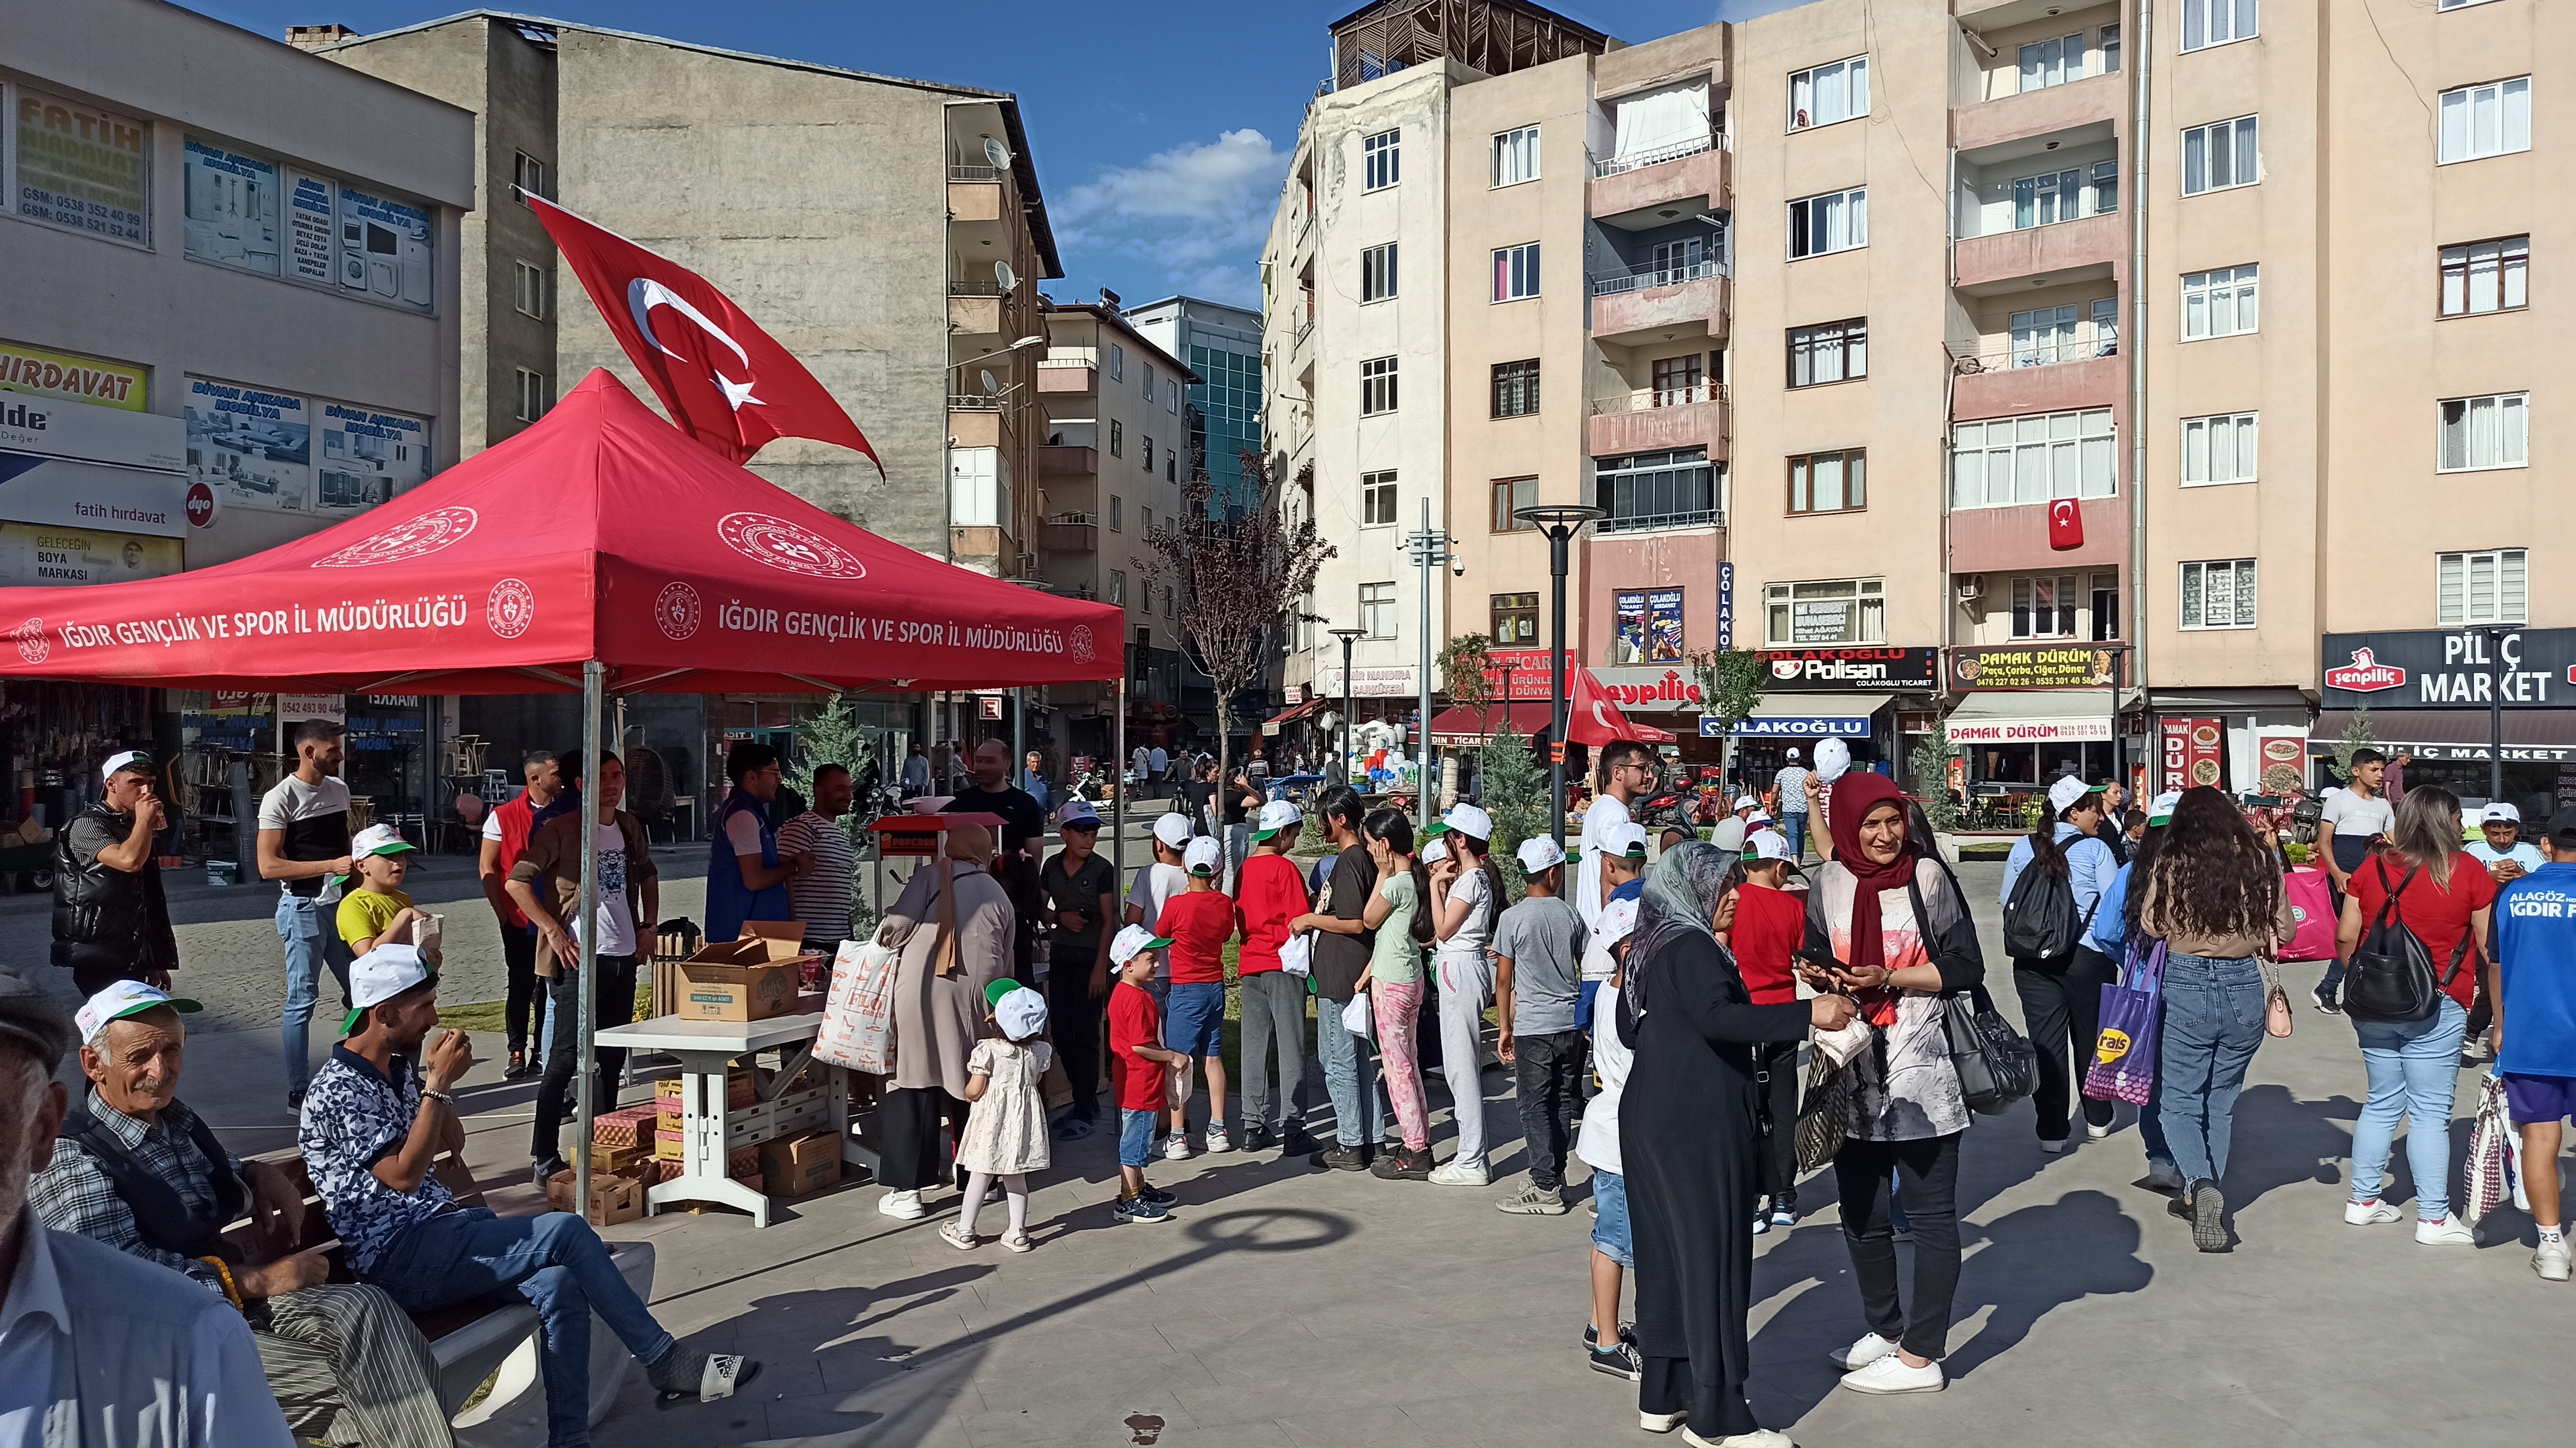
[1851, 362]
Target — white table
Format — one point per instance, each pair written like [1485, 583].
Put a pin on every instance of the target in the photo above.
[704, 1049]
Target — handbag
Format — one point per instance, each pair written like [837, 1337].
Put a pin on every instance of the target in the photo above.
[1996, 1064]
[2489, 1177]
[858, 1009]
[2124, 1054]
[2312, 905]
[2391, 975]
[1825, 1111]
[2276, 1003]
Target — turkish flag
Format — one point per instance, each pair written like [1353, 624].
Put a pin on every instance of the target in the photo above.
[723, 380]
[1591, 718]
[2065, 525]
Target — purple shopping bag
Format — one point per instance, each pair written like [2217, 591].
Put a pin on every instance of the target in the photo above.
[2124, 1056]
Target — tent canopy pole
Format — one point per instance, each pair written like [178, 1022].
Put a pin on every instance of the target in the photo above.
[594, 678]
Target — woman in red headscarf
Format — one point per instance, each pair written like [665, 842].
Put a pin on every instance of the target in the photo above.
[1886, 923]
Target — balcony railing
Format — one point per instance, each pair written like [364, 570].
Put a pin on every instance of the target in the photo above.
[973, 402]
[1714, 141]
[1647, 398]
[1073, 518]
[1978, 357]
[974, 287]
[1610, 283]
[1070, 357]
[1648, 522]
[960, 171]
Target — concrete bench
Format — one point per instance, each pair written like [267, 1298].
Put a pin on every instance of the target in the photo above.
[473, 1340]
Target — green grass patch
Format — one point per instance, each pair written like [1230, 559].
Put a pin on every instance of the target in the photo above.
[486, 1015]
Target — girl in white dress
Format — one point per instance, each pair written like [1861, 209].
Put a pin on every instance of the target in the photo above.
[1006, 1126]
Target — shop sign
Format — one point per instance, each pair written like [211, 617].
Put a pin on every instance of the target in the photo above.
[1791, 726]
[85, 380]
[93, 434]
[1368, 682]
[1529, 674]
[2528, 668]
[91, 495]
[2190, 752]
[2028, 731]
[334, 707]
[1726, 605]
[1654, 689]
[82, 167]
[2063, 667]
[1876, 669]
[57, 557]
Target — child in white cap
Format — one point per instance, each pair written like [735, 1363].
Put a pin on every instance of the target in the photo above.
[1538, 954]
[1006, 1126]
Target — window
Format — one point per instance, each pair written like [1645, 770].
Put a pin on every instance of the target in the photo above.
[1516, 156]
[1677, 381]
[1149, 384]
[1838, 611]
[1117, 514]
[1171, 603]
[2044, 335]
[1377, 609]
[1510, 496]
[2217, 157]
[2044, 608]
[1145, 446]
[2483, 587]
[1117, 587]
[1646, 626]
[1117, 363]
[1380, 156]
[2216, 22]
[2056, 196]
[1676, 489]
[1828, 482]
[2218, 595]
[529, 175]
[1171, 465]
[2485, 276]
[1516, 388]
[2035, 459]
[2485, 432]
[1148, 599]
[1515, 618]
[1515, 272]
[1819, 225]
[1171, 394]
[2110, 49]
[1832, 352]
[2218, 449]
[536, 394]
[1829, 93]
[2106, 326]
[534, 285]
[1377, 386]
[1117, 438]
[1145, 520]
[2106, 606]
[2045, 63]
[2106, 187]
[2218, 303]
[1377, 499]
[1670, 263]
[2486, 120]
[1377, 273]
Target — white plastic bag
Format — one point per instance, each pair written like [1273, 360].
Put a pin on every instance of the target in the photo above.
[1297, 955]
[858, 1010]
[1358, 1018]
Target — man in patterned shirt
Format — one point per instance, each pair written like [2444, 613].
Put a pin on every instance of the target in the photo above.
[136, 1170]
[374, 1120]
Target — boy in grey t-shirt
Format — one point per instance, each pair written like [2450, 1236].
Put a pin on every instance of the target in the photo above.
[1538, 954]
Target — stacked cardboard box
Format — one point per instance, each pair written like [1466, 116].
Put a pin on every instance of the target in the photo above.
[627, 1126]
[613, 1199]
[795, 1166]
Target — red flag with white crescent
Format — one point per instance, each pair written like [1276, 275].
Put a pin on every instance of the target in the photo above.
[725, 382]
[2065, 525]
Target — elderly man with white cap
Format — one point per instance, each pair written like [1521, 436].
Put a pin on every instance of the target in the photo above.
[1466, 897]
[137, 1171]
[110, 920]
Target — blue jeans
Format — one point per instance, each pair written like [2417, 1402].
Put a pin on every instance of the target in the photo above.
[556, 1262]
[1136, 1129]
[1350, 1074]
[1793, 823]
[2414, 1072]
[312, 942]
[1610, 1233]
[2213, 1022]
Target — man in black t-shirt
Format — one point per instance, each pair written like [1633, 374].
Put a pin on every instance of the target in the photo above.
[1341, 955]
[110, 920]
[1023, 830]
[1081, 891]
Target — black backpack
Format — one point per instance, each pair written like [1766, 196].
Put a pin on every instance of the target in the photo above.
[2391, 975]
[2040, 920]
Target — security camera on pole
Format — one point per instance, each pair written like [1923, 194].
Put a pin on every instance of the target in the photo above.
[1428, 548]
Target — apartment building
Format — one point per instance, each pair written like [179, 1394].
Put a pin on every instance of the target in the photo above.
[1222, 346]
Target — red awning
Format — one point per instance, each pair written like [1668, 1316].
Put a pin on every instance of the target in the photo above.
[1295, 712]
[1466, 725]
[601, 533]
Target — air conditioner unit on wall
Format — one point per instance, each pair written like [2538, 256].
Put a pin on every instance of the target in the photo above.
[1972, 587]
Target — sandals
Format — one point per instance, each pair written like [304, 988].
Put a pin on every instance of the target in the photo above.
[725, 1374]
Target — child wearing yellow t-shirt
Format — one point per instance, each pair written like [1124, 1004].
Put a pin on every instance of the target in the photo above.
[378, 908]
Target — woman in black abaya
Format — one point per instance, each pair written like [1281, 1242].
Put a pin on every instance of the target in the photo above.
[1690, 1140]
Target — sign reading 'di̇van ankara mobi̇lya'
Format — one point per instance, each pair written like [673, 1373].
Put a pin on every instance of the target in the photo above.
[2525, 668]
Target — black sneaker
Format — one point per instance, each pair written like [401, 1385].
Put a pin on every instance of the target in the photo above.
[1344, 1158]
[1256, 1137]
[2208, 1216]
[2326, 998]
[1158, 1196]
[1592, 1335]
[546, 1171]
[1619, 1360]
[1299, 1143]
[295, 1099]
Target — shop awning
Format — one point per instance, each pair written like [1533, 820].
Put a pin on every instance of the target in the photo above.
[2226, 701]
[2535, 735]
[1295, 712]
[1809, 716]
[1467, 726]
[2030, 716]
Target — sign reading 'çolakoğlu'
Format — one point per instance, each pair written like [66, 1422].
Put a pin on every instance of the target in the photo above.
[2068, 666]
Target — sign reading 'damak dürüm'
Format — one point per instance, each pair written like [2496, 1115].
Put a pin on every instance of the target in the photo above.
[2528, 668]
[2060, 666]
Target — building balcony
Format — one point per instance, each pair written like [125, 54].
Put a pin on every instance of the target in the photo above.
[1696, 175]
[2060, 377]
[1073, 379]
[2093, 101]
[1066, 460]
[1068, 532]
[1658, 420]
[2062, 251]
[974, 420]
[2015, 539]
[1641, 306]
[974, 307]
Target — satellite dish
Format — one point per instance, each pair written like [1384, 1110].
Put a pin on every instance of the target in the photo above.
[997, 153]
[991, 387]
[1008, 278]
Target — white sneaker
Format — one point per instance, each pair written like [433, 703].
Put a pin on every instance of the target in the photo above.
[1761, 1223]
[1861, 1354]
[2059, 1147]
[1659, 1422]
[1177, 1148]
[1758, 1438]
[1217, 1140]
[2448, 1232]
[1890, 1375]
[2097, 1133]
[1451, 1174]
[2370, 1214]
[903, 1205]
[2549, 1259]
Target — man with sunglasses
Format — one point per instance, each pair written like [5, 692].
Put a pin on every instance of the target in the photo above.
[1627, 773]
[1081, 892]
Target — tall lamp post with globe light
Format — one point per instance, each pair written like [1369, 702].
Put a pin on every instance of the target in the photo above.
[1562, 521]
[1348, 636]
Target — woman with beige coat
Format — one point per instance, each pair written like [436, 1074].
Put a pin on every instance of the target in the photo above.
[952, 948]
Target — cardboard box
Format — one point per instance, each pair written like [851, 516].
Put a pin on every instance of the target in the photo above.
[616, 1160]
[668, 1145]
[739, 1090]
[613, 1199]
[797, 1166]
[627, 1126]
[671, 1121]
[751, 979]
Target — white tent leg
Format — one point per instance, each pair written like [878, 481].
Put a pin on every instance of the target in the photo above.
[585, 1079]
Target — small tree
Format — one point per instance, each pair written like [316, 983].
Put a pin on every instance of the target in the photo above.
[1730, 683]
[1462, 663]
[1515, 794]
[1931, 762]
[2357, 735]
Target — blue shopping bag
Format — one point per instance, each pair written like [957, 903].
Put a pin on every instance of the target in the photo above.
[2124, 1055]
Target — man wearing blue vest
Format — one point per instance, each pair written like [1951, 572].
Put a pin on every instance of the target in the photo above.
[2535, 1010]
[746, 876]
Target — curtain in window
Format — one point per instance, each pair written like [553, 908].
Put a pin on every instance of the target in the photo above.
[1666, 119]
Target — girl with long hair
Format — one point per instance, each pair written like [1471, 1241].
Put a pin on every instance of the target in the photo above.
[2213, 895]
[1466, 894]
[1399, 911]
[2430, 886]
[2061, 995]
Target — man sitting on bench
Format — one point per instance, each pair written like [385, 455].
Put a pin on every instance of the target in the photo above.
[138, 1171]
[374, 1119]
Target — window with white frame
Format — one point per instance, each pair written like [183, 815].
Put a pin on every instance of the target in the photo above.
[1824, 94]
[2055, 196]
[1836, 221]
[1117, 514]
[1118, 586]
[2486, 120]
[2054, 61]
[536, 394]
[535, 284]
[2485, 432]
[2218, 449]
[1145, 518]
[1516, 156]
[1377, 273]
[2110, 49]
[1117, 363]
[1832, 352]
[1380, 158]
[1515, 272]
[2216, 22]
[2218, 303]
[1377, 499]
[1377, 386]
[1148, 597]
[2106, 187]
[528, 174]
[1149, 384]
[2007, 461]
[2044, 335]
[1377, 609]
[1830, 611]
[2106, 326]
[2486, 276]
[2221, 156]
[1146, 446]
[1171, 394]
[2485, 587]
[2218, 594]
[2044, 607]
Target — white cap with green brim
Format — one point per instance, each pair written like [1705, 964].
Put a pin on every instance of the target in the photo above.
[122, 999]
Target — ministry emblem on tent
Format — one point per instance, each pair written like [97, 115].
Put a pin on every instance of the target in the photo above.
[676, 610]
[511, 608]
[1078, 641]
[31, 641]
[415, 537]
[788, 547]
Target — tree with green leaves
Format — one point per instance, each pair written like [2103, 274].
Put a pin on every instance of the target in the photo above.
[1463, 662]
[1730, 683]
[2357, 735]
[831, 735]
[1515, 794]
[1931, 764]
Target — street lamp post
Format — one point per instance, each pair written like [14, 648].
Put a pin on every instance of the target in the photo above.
[1561, 520]
[1348, 636]
[2495, 710]
[1427, 549]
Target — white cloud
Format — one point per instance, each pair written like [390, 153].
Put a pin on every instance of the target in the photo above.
[1199, 213]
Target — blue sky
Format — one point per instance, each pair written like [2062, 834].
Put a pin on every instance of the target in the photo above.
[1160, 131]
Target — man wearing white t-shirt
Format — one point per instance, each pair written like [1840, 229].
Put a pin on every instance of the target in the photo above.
[630, 898]
[1627, 771]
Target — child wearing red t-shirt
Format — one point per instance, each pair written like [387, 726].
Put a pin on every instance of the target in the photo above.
[1140, 1072]
[1198, 921]
[1771, 924]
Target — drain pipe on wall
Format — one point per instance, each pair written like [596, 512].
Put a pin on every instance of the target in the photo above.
[2143, 53]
